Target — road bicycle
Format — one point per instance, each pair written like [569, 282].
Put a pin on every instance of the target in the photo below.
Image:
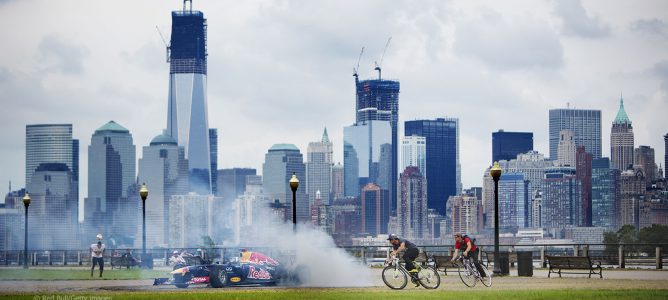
[396, 276]
[469, 274]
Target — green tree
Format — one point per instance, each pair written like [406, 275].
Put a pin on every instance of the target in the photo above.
[610, 238]
[656, 234]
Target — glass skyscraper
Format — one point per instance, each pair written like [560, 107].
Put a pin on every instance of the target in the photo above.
[363, 158]
[378, 100]
[585, 123]
[604, 193]
[187, 120]
[413, 153]
[443, 169]
[51, 143]
[375, 210]
[507, 145]
[513, 202]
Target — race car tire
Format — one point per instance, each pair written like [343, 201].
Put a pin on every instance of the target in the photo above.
[178, 281]
[217, 277]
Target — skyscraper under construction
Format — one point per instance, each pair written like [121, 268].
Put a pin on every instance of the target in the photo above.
[187, 120]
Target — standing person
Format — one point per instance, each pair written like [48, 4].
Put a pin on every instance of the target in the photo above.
[470, 251]
[97, 254]
[410, 254]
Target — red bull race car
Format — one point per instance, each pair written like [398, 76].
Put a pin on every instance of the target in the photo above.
[252, 268]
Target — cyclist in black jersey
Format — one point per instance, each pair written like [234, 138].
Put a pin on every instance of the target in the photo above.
[399, 244]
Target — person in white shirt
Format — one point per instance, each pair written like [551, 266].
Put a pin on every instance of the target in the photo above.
[97, 254]
[176, 258]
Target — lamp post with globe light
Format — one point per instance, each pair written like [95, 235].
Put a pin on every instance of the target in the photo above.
[143, 193]
[294, 184]
[26, 203]
[496, 174]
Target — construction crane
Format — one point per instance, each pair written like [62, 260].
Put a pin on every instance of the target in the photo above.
[355, 68]
[164, 42]
[378, 65]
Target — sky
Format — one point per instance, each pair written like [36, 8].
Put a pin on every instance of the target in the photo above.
[281, 71]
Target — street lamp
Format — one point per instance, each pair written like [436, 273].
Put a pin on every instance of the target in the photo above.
[294, 184]
[26, 203]
[496, 173]
[143, 193]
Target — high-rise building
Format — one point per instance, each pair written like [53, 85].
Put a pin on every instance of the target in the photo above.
[337, 181]
[561, 198]
[513, 202]
[507, 145]
[213, 151]
[363, 156]
[112, 171]
[585, 123]
[465, 214]
[232, 182]
[665, 155]
[536, 207]
[412, 204]
[621, 140]
[51, 143]
[531, 165]
[414, 153]
[319, 164]
[375, 210]
[280, 163]
[187, 120]
[644, 161]
[583, 169]
[566, 149]
[164, 169]
[604, 193]
[443, 168]
[378, 100]
[53, 213]
[632, 189]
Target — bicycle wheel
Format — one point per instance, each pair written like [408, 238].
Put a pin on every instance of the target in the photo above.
[429, 278]
[395, 279]
[487, 280]
[466, 276]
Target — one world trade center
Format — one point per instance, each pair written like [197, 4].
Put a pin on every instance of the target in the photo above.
[187, 120]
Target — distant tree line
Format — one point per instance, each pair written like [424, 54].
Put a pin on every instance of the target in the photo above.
[633, 239]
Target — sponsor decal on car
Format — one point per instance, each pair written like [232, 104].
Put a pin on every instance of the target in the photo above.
[201, 279]
[235, 279]
[229, 269]
[258, 274]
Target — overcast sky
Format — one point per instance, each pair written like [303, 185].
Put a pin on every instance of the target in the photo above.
[281, 71]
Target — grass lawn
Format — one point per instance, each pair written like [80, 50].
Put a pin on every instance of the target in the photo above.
[78, 274]
[357, 294]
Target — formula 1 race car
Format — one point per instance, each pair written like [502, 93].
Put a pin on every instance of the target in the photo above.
[252, 268]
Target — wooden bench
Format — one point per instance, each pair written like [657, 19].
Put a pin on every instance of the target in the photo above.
[445, 262]
[559, 263]
[123, 261]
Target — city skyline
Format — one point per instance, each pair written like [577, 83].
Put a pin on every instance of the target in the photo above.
[267, 71]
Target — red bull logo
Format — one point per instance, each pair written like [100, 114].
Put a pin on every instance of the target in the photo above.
[261, 259]
[258, 274]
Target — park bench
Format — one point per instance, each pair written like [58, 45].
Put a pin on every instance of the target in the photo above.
[559, 263]
[123, 261]
[445, 262]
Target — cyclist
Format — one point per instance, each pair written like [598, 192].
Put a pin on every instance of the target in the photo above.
[411, 252]
[470, 251]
